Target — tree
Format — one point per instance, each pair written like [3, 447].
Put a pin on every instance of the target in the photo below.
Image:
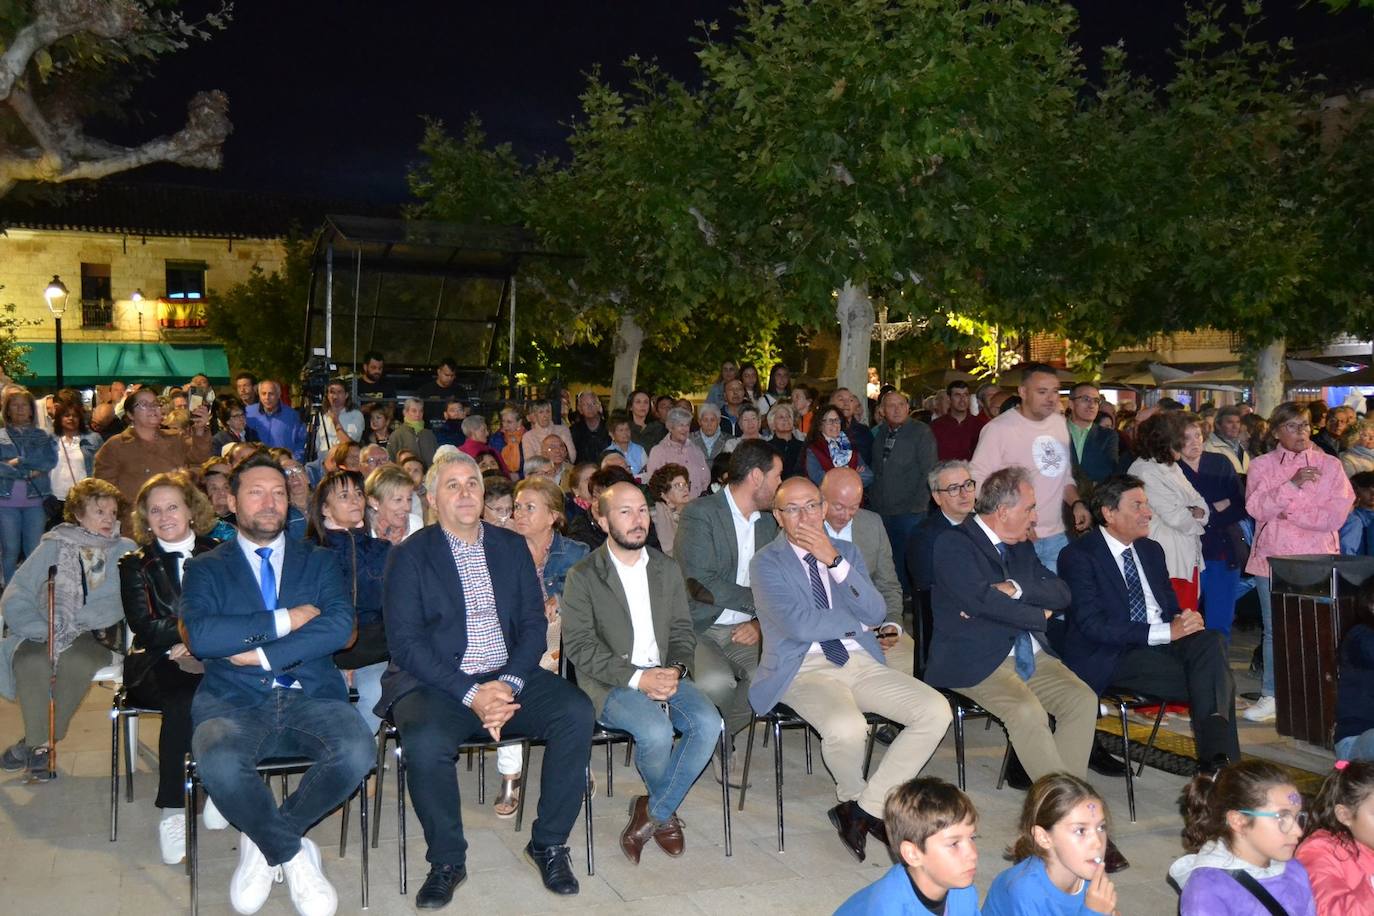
[55, 58]
[260, 321]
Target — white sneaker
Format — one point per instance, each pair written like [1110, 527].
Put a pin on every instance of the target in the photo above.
[253, 879]
[211, 817]
[171, 838]
[1263, 711]
[311, 891]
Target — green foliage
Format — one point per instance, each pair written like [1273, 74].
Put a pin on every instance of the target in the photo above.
[465, 180]
[12, 352]
[261, 322]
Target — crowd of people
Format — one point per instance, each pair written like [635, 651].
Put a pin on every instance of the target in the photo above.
[284, 582]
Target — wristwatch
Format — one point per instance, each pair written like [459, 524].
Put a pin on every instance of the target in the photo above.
[835, 563]
[681, 670]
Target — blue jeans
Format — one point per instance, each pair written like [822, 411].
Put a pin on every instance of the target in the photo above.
[230, 741]
[1047, 549]
[20, 530]
[1266, 603]
[899, 528]
[668, 771]
[1356, 747]
[368, 682]
[1218, 584]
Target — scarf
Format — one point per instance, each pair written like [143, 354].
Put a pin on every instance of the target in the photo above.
[416, 425]
[81, 567]
[1360, 451]
[840, 451]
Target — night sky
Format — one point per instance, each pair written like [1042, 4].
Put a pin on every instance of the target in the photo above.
[327, 97]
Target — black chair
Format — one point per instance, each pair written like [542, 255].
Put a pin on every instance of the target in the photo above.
[775, 720]
[122, 712]
[923, 626]
[965, 708]
[282, 767]
[1125, 700]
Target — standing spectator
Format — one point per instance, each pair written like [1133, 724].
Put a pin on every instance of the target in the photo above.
[449, 430]
[245, 386]
[784, 439]
[340, 421]
[956, 431]
[645, 429]
[1298, 496]
[803, 402]
[779, 390]
[749, 377]
[729, 411]
[1179, 513]
[1034, 435]
[76, 448]
[1332, 438]
[1216, 481]
[621, 441]
[903, 454]
[277, 425]
[709, 437]
[1094, 448]
[412, 435]
[671, 488]
[1257, 440]
[438, 391]
[507, 441]
[828, 447]
[729, 371]
[129, 459]
[233, 424]
[589, 434]
[27, 455]
[540, 417]
[371, 380]
[676, 449]
[855, 429]
[1360, 456]
[1228, 440]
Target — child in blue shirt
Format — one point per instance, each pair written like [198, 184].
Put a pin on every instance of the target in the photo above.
[930, 826]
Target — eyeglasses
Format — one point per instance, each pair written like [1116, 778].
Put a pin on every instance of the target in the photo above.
[293, 472]
[1286, 819]
[148, 405]
[681, 485]
[828, 420]
[810, 508]
[1295, 427]
[955, 489]
[1089, 399]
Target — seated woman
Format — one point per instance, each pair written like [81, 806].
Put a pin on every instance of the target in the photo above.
[389, 490]
[828, 447]
[671, 489]
[337, 524]
[171, 520]
[85, 549]
[539, 519]
[784, 439]
[1354, 733]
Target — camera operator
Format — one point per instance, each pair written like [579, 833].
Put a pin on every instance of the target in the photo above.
[339, 421]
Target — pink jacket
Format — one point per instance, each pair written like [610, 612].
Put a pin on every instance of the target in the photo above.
[1342, 880]
[1312, 515]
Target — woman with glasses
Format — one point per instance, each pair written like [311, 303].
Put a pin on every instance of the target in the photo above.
[828, 447]
[145, 449]
[671, 488]
[1299, 497]
[233, 424]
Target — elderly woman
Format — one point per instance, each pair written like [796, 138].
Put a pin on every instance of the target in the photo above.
[76, 448]
[677, 448]
[829, 447]
[85, 550]
[671, 489]
[1299, 497]
[389, 506]
[577, 501]
[338, 524]
[784, 439]
[233, 424]
[412, 435]
[539, 519]
[507, 440]
[171, 519]
[27, 454]
[1180, 513]
[1215, 479]
[475, 435]
[1360, 456]
[750, 426]
[144, 449]
[621, 441]
[708, 436]
[540, 417]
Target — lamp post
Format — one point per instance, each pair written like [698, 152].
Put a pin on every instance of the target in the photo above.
[137, 298]
[56, 297]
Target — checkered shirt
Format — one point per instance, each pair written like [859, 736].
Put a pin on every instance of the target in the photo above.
[486, 650]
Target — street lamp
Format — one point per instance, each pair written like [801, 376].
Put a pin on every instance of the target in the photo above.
[56, 297]
[137, 297]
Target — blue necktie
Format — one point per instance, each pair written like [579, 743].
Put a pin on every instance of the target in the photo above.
[1022, 649]
[832, 649]
[1135, 595]
[267, 583]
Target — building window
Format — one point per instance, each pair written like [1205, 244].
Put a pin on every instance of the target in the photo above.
[97, 305]
[186, 280]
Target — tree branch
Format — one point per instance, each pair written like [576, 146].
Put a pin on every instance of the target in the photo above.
[55, 20]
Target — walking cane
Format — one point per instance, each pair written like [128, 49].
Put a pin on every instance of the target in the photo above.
[52, 674]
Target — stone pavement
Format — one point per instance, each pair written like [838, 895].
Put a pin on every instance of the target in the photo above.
[56, 857]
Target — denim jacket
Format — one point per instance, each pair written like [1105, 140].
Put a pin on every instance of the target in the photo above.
[563, 553]
[36, 451]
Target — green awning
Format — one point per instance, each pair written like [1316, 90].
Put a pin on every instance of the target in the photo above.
[101, 363]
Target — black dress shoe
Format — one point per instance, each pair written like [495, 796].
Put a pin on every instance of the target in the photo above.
[437, 891]
[1099, 761]
[1113, 861]
[852, 823]
[1017, 777]
[555, 867]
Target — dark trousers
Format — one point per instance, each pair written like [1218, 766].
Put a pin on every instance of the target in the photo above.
[433, 724]
[1193, 670]
[230, 741]
[168, 688]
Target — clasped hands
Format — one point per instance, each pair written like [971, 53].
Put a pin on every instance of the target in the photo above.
[659, 683]
[494, 703]
[1185, 623]
[300, 615]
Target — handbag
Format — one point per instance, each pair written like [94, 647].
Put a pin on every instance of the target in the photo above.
[1266, 899]
[369, 648]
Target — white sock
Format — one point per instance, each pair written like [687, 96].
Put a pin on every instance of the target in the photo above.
[169, 813]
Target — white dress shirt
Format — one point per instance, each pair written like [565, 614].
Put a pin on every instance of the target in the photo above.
[838, 574]
[1159, 630]
[1016, 596]
[282, 616]
[634, 578]
[744, 543]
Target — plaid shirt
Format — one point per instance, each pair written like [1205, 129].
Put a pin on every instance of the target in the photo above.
[486, 649]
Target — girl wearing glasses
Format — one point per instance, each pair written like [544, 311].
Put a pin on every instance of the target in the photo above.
[1241, 829]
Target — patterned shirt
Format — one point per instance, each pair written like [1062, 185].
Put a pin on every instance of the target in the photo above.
[486, 650]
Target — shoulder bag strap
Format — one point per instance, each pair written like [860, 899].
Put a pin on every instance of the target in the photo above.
[1266, 899]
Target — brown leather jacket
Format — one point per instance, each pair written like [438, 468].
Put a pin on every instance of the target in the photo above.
[128, 462]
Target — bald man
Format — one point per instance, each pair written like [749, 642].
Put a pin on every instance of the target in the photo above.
[819, 609]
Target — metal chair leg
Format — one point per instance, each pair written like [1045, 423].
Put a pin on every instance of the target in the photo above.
[1159, 717]
[114, 771]
[777, 775]
[524, 784]
[192, 845]
[381, 781]
[1006, 759]
[959, 745]
[401, 813]
[587, 818]
[629, 749]
[482, 776]
[868, 749]
[1126, 753]
[725, 789]
[362, 823]
[748, 755]
[806, 733]
[130, 747]
[610, 773]
[343, 824]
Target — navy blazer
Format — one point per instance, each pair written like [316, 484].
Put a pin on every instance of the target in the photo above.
[1100, 629]
[1101, 452]
[920, 548]
[223, 614]
[975, 624]
[427, 620]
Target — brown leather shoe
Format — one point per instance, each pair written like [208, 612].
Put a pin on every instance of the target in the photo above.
[1113, 861]
[638, 830]
[670, 838]
[852, 823]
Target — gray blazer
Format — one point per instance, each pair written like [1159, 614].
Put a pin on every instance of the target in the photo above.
[705, 548]
[598, 634]
[791, 621]
[871, 538]
[899, 480]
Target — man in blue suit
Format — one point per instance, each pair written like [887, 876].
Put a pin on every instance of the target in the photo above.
[818, 610]
[1125, 628]
[466, 628]
[265, 612]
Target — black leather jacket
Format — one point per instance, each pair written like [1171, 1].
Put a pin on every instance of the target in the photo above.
[150, 588]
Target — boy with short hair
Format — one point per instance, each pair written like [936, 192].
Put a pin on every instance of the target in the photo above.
[930, 826]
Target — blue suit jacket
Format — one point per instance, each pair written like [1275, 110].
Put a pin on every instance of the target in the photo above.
[223, 613]
[791, 621]
[920, 548]
[975, 624]
[426, 616]
[1101, 452]
[1099, 623]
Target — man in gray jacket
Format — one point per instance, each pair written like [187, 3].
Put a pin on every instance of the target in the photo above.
[904, 451]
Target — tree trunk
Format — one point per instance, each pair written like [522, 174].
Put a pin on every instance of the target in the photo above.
[855, 312]
[1269, 377]
[629, 339]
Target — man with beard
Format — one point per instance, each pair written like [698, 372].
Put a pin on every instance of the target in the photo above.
[265, 613]
[466, 629]
[628, 631]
